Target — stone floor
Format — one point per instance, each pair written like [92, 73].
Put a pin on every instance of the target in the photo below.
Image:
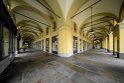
[93, 66]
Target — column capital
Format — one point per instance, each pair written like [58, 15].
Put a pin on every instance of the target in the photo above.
[111, 34]
[121, 24]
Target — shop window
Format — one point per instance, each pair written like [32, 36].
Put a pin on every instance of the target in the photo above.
[38, 45]
[75, 44]
[80, 45]
[13, 43]
[5, 42]
[83, 45]
[47, 44]
[43, 45]
[55, 44]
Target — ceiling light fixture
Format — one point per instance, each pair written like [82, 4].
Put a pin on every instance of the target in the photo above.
[85, 9]
[91, 20]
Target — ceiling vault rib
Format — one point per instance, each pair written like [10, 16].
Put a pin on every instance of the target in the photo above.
[85, 9]
[48, 9]
[99, 23]
[31, 18]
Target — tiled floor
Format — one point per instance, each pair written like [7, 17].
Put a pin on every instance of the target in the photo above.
[94, 66]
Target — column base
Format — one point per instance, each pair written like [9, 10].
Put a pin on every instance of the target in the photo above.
[65, 54]
[16, 52]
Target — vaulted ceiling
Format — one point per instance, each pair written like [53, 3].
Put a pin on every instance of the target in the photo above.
[32, 17]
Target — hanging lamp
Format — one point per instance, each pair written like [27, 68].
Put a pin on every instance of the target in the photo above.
[91, 20]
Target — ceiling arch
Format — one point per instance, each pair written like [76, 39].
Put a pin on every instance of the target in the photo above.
[105, 16]
[30, 23]
[28, 28]
[30, 8]
[101, 7]
[29, 31]
[27, 23]
[34, 36]
[103, 20]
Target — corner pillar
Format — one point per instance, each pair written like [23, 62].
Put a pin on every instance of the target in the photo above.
[111, 42]
[121, 38]
[65, 41]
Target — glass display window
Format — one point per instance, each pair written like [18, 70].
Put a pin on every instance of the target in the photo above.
[5, 41]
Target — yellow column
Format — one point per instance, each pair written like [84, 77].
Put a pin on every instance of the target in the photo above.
[82, 45]
[121, 36]
[50, 45]
[93, 45]
[108, 43]
[44, 44]
[78, 45]
[101, 44]
[111, 42]
[86, 46]
[65, 45]
[105, 43]
[115, 43]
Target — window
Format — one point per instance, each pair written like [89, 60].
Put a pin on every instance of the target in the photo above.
[47, 44]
